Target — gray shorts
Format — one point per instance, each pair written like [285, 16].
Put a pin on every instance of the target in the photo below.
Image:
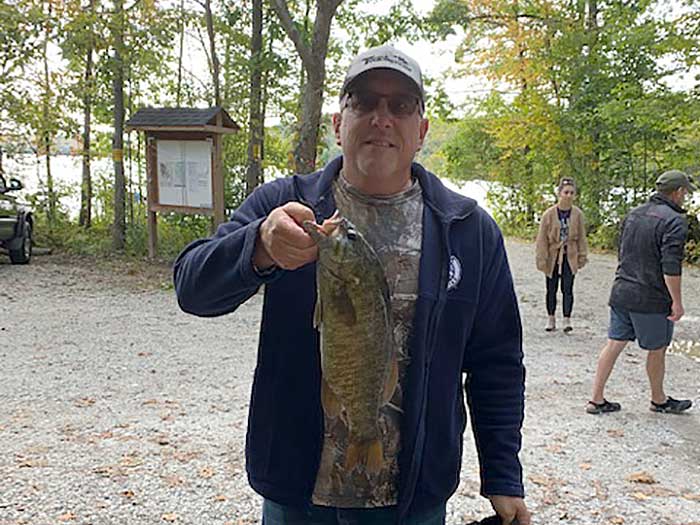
[652, 331]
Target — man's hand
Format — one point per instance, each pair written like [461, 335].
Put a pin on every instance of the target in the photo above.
[677, 312]
[282, 241]
[510, 509]
[673, 285]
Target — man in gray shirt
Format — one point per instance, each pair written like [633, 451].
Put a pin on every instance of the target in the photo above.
[645, 300]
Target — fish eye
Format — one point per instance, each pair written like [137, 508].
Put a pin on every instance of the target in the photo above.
[352, 234]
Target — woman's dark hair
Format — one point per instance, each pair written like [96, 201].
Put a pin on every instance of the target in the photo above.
[566, 181]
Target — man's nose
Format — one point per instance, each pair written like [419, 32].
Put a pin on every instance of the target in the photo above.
[381, 115]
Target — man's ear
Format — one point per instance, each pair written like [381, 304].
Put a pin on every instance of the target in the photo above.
[422, 132]
[337, 120]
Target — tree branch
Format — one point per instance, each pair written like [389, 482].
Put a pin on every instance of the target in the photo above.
[282, 10]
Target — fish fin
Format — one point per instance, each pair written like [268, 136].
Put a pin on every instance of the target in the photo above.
[318, 312]
[392, 380]
[355, 455]
[352, 455]
[330, 224]
[329, 401]
[368, 453]
[375, 456]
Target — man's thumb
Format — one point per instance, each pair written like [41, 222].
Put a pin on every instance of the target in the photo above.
[299, 212]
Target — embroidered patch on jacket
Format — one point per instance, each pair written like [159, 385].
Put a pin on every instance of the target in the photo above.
[455, 273]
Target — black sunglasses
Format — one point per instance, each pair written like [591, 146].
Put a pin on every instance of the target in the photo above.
[400, 106]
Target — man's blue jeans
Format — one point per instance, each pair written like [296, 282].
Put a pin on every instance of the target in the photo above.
[275, 514]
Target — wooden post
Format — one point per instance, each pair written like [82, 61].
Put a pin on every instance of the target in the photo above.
[152, 179]
[218, 178]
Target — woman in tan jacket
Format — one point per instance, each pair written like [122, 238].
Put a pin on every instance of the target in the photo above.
[562, 250]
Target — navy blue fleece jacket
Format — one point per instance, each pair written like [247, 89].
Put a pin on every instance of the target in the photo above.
[466, 345]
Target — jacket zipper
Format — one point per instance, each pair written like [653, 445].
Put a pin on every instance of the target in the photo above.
[431, 337]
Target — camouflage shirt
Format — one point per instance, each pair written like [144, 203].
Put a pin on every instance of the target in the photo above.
[393, 225]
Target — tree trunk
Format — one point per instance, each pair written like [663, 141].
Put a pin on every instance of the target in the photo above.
[592, 39]
[314, 60]
[46, 134]
[85, 218]
[119, 227]
[305, 150]
[179, 58]
[212, 52]
[254, 173]
[129, 150]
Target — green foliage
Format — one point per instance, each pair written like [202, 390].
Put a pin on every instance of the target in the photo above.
[569, 97]
[587, 98]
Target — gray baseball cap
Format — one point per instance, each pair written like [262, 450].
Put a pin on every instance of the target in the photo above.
[384, 57]
[671, 180]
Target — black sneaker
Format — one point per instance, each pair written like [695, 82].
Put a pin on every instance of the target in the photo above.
[602, 408]
[671, 406]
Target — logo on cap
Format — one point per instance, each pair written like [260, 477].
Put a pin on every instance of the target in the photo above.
[393, 59]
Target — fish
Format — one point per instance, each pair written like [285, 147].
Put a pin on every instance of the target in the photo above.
[359, 365]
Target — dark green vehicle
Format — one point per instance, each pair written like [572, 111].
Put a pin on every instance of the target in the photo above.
[16, 223]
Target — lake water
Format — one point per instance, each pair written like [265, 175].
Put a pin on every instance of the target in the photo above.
[67, 174]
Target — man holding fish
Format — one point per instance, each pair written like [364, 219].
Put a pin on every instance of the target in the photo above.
[388, 303]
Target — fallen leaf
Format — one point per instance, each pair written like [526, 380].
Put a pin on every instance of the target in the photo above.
[84, 402]
[68, 516]
[170, 516]
[640, 496]
[220, 497]
[616, 432]
[585, 466]
[206, 472]
[131, 461]
[692, 497]
[641, 477]
[617, 520]
[538, 480]
[150, 402]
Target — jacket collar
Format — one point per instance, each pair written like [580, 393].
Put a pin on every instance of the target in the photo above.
[448, 206]
[660, 198]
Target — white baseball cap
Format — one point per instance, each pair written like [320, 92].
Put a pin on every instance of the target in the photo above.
[384, 57]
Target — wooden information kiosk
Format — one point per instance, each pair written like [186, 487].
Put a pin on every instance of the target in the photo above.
[184, 166]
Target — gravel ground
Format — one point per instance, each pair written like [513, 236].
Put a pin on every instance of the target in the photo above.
[116, 408]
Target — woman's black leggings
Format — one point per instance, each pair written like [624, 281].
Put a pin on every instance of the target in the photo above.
[567, 288]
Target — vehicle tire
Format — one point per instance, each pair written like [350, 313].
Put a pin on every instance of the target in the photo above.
[24, 253]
